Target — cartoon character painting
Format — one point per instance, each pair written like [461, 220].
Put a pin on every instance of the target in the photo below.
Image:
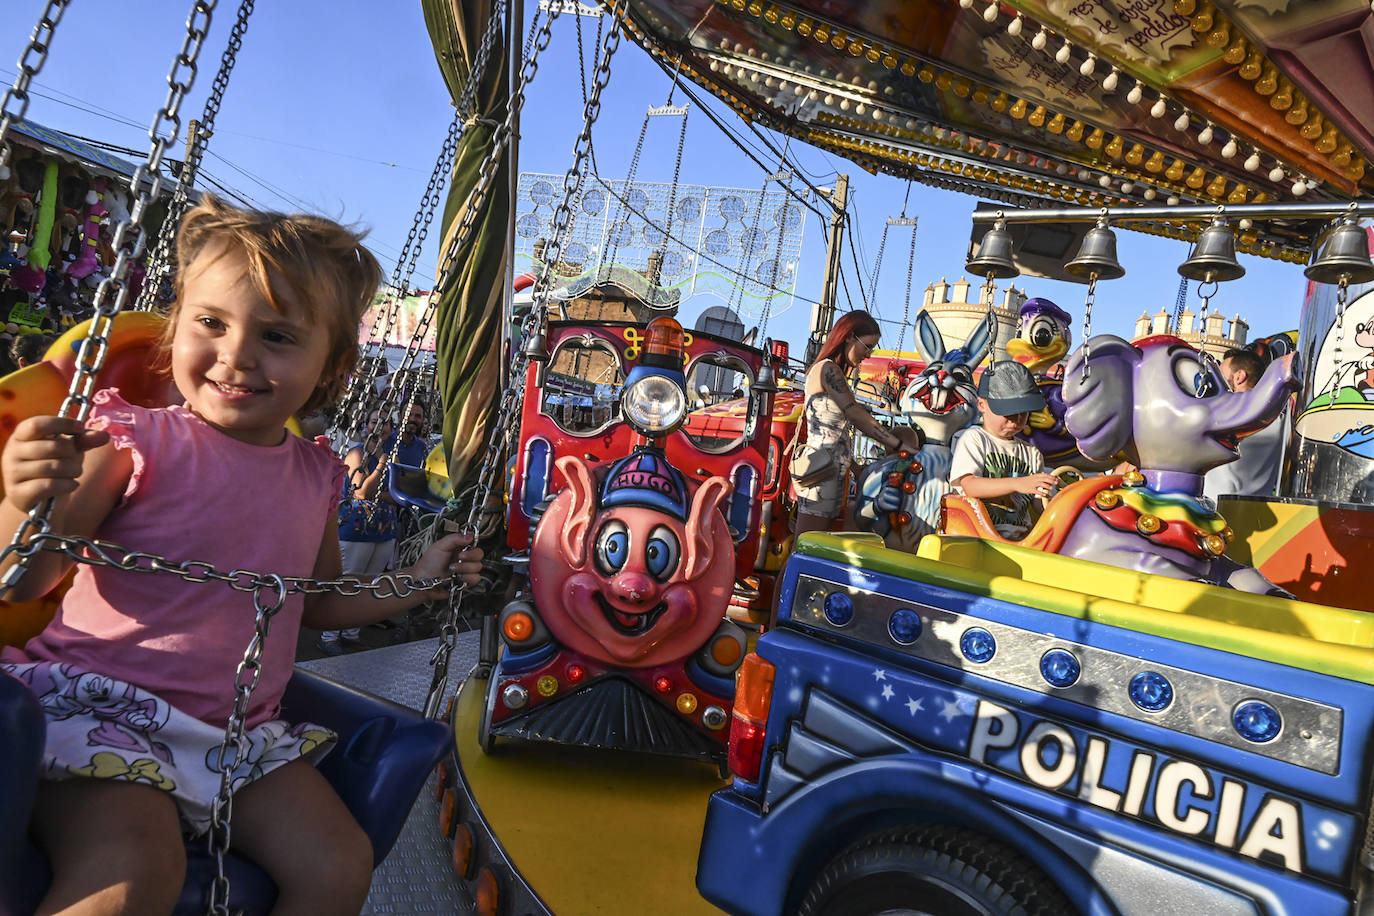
[1167, 408]
[899, 496]
[625, 643]
[1340, 410]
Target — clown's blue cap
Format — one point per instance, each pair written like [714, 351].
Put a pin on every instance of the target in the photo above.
[645, 478]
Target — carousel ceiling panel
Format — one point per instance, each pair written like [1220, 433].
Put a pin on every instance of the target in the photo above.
[1097, 102]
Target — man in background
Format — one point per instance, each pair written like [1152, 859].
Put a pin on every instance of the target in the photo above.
[1256, 471]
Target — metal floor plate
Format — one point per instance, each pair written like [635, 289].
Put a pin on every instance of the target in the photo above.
[417, 877]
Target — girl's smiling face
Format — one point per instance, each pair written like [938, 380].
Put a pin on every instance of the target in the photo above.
[242, 367]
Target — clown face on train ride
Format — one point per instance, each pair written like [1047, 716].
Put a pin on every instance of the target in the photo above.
[636, 526]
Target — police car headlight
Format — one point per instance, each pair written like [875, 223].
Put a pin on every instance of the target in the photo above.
[654, 405]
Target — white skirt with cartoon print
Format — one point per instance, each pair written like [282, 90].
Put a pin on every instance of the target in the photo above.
[100, 727]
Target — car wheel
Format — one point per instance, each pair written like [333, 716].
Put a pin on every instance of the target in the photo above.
[932, 870]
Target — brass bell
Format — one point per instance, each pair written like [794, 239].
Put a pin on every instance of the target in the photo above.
[993, 259]
[1097, 255]
[1214, 256]
[1342, 254]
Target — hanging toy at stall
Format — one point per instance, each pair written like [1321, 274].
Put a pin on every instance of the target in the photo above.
[72, 190]
[1043, 340]
[27, 177]
[34, 276]
[899, 496]
[88, 260]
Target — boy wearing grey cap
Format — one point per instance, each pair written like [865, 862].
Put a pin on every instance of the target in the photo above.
[991, 463]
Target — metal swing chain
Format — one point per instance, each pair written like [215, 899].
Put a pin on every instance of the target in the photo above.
[501, 136]
[37, 49]
[128, 244]
[1342, 296]
[352, 412]
[1088, 322]
[910, 265]
[159, 267]
[245, 682]
[505, 418]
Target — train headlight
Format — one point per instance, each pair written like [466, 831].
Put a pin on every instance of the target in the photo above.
[654, 405]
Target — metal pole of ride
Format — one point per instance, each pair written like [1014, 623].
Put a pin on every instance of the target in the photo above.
[823, 312]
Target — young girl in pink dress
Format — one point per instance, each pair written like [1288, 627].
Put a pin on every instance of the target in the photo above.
[136, 670]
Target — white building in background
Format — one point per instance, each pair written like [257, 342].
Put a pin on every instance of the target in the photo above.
[957, 308]
[1214, 336]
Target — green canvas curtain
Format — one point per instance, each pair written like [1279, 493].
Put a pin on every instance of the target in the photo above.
[468, 316]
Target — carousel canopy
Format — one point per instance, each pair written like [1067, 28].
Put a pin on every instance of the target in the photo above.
[1052, 102]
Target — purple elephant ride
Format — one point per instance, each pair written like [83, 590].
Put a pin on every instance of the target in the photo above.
[1168, 409]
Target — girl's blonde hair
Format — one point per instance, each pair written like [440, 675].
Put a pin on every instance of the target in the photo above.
[292, 258]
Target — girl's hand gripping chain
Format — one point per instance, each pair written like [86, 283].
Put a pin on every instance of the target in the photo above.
[446, 557]
[44, 458]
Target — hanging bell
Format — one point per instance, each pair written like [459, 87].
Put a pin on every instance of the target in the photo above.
[1342, 255]
[537, 348]
[1214, 256]
[1096, 256]
[993, 259]
[767, 380]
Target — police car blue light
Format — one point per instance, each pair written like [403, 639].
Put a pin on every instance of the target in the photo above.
[904, 626]
[978, 645]
[1060, 668]
[1256, 721]
[839, 608]
[1151, 691]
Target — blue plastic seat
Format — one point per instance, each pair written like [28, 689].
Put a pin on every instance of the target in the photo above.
[385, 753]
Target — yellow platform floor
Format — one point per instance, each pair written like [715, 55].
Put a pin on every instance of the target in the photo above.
[592, 832]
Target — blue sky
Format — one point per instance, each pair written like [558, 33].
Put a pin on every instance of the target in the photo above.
[337, 106]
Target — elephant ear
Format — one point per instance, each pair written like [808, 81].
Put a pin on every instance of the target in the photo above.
[929, 337]
[1100, 409]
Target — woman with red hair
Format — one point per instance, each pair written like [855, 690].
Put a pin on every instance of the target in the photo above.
[831, 411]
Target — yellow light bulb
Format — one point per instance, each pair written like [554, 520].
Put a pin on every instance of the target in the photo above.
[1017, 109]
[1056, 124]
[1095, 139]
[1136, 154]
[1037, 117]
[1156, 161]
[1175, 170]
[1075, 131]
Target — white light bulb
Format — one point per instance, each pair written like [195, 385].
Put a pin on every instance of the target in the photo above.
[1276, 173]
[965, 4]
[877, 115]
[910, 124]
[1061, 168]
[860, 108]
[715, 66]
[1172, 200]
[844, 104]
[1014, 27]
[1158, 109]
[1150, 193]
[1245, 224]
[829, 99]
[1127, 187]
[1252, 163]
[1089, 64]
[1105, 181]
[1109, 84]
[1205, 135]
[990, 14]
[1182, 121]
[1040, 40]
[1062, 55]
[1299, 188]
[1230, 149]
[1136, 93]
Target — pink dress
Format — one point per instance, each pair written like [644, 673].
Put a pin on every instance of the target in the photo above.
[136, 670]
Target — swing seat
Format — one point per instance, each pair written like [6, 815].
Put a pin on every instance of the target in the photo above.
[409, 486]
[384, 755]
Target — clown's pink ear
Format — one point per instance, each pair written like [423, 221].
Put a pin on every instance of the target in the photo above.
[578, 522]
[701, 542]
